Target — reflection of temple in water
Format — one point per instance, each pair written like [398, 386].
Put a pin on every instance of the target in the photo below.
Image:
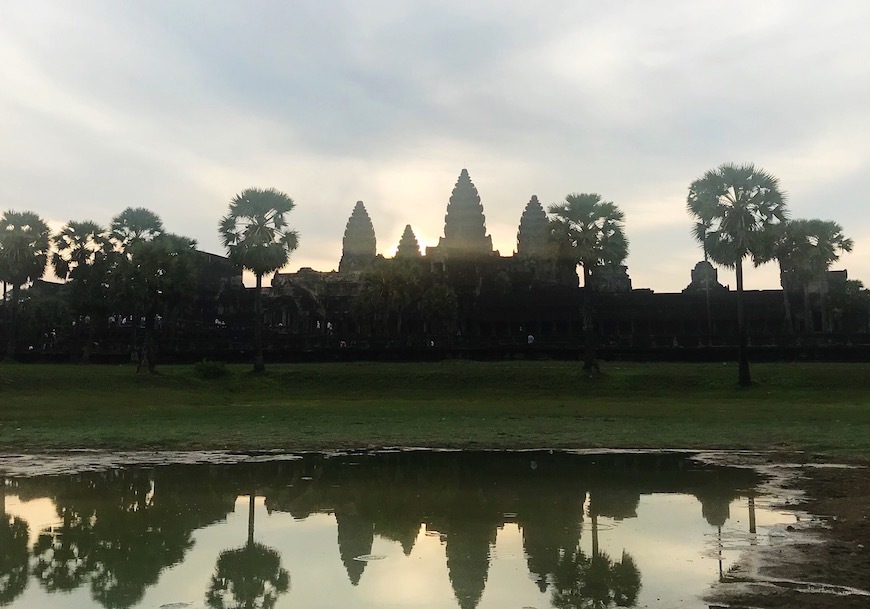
[119, 530]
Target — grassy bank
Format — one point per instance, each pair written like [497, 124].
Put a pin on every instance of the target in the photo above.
[815, 407]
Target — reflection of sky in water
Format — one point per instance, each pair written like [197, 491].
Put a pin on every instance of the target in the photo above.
[674, 548]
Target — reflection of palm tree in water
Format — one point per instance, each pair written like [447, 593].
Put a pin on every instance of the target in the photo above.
[249, 577]
[14, 559]
[596, 581]
[62, 552]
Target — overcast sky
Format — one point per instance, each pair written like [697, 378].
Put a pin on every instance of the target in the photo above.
[178, 105]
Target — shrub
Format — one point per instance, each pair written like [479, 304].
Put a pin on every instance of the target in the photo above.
[210, 370]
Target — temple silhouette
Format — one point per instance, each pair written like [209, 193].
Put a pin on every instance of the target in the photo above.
[500, 300]
[463, 298]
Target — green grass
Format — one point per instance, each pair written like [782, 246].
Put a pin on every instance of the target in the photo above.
[821, 408]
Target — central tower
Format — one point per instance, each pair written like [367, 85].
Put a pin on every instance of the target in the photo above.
[465, 224]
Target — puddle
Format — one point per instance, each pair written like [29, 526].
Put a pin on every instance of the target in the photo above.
[392, 529]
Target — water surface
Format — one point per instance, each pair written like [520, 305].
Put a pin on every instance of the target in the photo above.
[395, 529]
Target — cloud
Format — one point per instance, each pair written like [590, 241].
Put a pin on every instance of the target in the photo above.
[177, 106]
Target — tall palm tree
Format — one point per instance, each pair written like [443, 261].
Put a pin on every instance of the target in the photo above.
[24, 243]
[590, 233]
[250, 577]
[256, 236]
[129, 229]
[163, 271]
[82, 253]
[135, 224]
[740, 204]
[388, 290]
[805, 250]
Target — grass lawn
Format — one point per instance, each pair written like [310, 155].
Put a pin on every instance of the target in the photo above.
[822, 408]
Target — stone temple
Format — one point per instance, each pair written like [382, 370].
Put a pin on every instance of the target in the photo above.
[464, 260]
[484, 296]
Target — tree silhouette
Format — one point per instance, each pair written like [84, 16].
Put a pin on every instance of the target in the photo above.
[62, 553]
[805, 250]
[250, 577]
[439, 308]
[129, 230]
[14, 558]
[82, 256]
[24, 243]
[738, 204]
[134, 225]
[590, 233]
[119, 529]
[256, 237]
[387, 292]
[164, 273]
[595, 582]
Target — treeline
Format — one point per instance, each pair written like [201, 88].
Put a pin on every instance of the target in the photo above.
[740, 214]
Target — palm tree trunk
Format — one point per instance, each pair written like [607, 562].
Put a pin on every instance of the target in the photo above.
[809, 326]
[590, 362]
[709, 312]
[743, 377]
[12, 326]
[595, 550]
[148, 353]
[786, 302]
[259, 363]
[823, 306]
[752, 528]
[251, 519]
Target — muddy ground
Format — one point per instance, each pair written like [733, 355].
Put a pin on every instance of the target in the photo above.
[826, 563]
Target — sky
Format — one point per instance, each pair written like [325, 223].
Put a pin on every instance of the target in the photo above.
[177, 105]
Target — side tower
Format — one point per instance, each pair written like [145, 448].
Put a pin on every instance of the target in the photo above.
[359, 247]
[465, 224]
[533, 237]
[409, 248]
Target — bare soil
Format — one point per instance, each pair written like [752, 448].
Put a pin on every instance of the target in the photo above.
[827, 562]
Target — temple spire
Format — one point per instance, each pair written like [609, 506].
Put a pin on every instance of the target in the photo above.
[465, 224]
[359, 247]
[408, 246]
[533, 237]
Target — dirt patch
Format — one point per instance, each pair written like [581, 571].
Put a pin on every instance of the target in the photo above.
[826, 563]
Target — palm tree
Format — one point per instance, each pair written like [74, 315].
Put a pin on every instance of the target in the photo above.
[14, 557]
[389, 289]
[595, 582]
[164, 273]
[590, 233]
[257, 238]
[133, 225]
[82, 253]
[806, 249]
[249, 577]
[439, 309]
[24, 242]
[129, 229]
[739, 204]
